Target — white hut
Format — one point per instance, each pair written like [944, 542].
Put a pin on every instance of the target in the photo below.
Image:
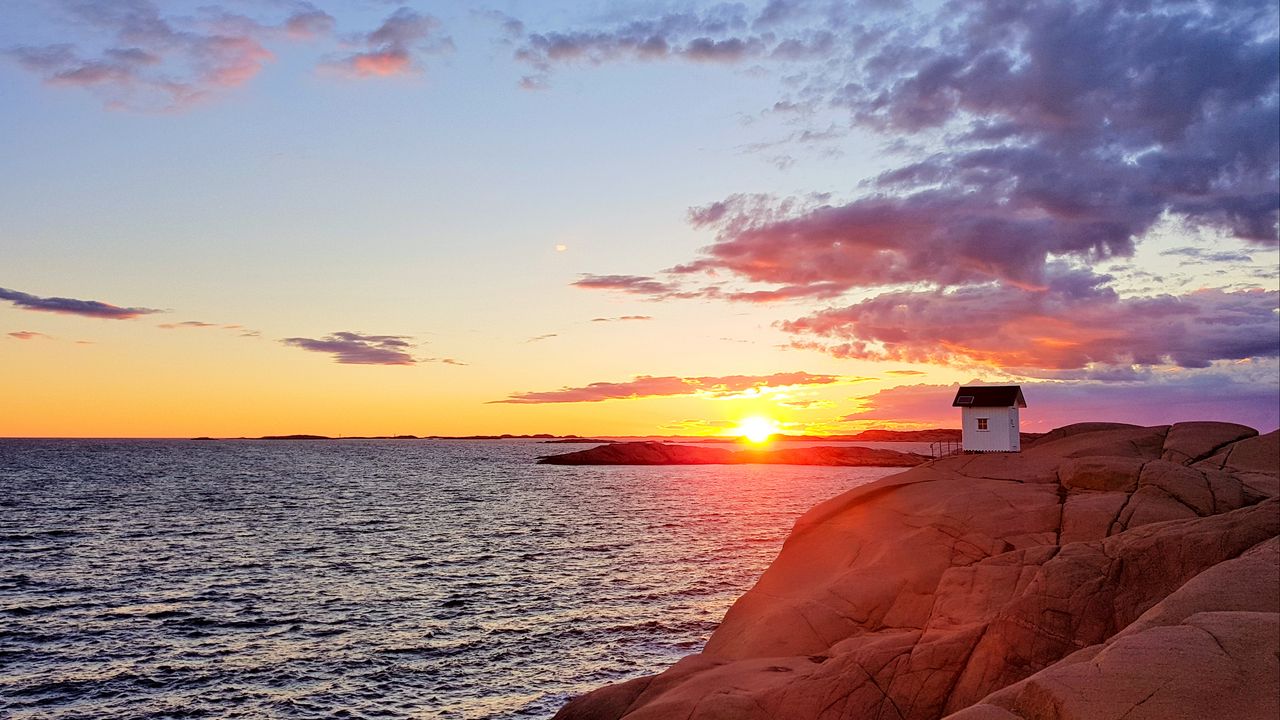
[989, 417]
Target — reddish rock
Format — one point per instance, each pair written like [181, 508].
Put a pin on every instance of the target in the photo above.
[1105, 572]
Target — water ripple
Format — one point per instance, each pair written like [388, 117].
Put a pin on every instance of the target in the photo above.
[363, 579]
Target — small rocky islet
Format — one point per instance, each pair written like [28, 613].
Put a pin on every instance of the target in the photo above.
[1107, 571]
[660, 453]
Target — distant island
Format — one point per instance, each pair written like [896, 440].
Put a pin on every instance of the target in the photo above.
[538, 436]
[876, 435]
[657, 453]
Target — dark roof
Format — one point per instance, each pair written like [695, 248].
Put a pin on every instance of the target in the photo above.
[989, 396]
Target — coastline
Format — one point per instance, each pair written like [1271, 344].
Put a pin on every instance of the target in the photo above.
[1105, 571]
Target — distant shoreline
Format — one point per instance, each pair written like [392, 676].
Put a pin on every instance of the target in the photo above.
[914, 436]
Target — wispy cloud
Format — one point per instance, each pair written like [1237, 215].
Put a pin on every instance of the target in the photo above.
[72, 306]
[236, 328]
[623, 318]
[350, 348]
[650, 288]
[395, 46]
[140, 58]
[724, 33]
[187, 324]
[444, 361]
[540, 338]
[28, 335]
[648, 386]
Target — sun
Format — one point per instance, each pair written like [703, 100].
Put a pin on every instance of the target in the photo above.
[756, 429]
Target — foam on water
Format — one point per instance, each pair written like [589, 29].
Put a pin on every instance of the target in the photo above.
[364, 579]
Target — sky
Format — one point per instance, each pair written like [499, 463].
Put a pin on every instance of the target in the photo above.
[356, 217]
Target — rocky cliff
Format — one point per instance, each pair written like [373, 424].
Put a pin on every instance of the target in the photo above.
[1107, 571]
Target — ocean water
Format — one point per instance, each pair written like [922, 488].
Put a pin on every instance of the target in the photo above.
[363, 579]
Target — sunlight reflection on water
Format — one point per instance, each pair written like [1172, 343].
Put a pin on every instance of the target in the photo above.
[380, 578]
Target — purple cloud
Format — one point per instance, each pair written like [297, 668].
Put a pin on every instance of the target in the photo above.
[1039, 166]
[71, 306]
[1016, 328]
[724, 33]
[153, 61]
[28, 335]
[634, 284]
[645, 386]
[351, 348]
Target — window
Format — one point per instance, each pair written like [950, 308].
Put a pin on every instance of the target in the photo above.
[982, 424]
[964, 400]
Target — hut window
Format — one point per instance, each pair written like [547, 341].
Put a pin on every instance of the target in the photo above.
[982, 423]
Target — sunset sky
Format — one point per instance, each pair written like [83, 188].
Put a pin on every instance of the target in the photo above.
[235, 217]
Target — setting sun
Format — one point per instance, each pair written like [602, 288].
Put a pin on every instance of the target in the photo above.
[756, 429]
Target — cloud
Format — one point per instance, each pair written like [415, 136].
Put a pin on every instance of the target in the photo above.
[1215, 394]
[1018, 169]
[635, 284]
[1197, 255]
[540, 338]
[724, 33]
[644, 386]
[138, 58]
[624, 318]
[807, 404]
[390, 49]
[190, 324]
[28, 335]
[1055, 328]
[351, 348]
[71, 306]
[904, 372]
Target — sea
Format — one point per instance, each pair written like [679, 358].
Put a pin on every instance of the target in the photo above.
[364, 578]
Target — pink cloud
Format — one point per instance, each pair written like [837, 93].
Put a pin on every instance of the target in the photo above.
[1055, 328]
[28, 335]
[154, 61]
[645, 386]
[392, 47]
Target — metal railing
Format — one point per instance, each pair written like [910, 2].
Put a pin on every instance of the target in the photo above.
[943, 448]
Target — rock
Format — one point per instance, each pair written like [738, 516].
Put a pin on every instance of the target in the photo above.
[1101, 473]
[1105, 572]
[657, 453]
[1192, 441]
[1253, 462]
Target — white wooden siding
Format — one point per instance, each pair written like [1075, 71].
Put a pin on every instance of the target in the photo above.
[1001, 435]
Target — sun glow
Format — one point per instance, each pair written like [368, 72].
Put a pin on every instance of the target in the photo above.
[756, 429]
